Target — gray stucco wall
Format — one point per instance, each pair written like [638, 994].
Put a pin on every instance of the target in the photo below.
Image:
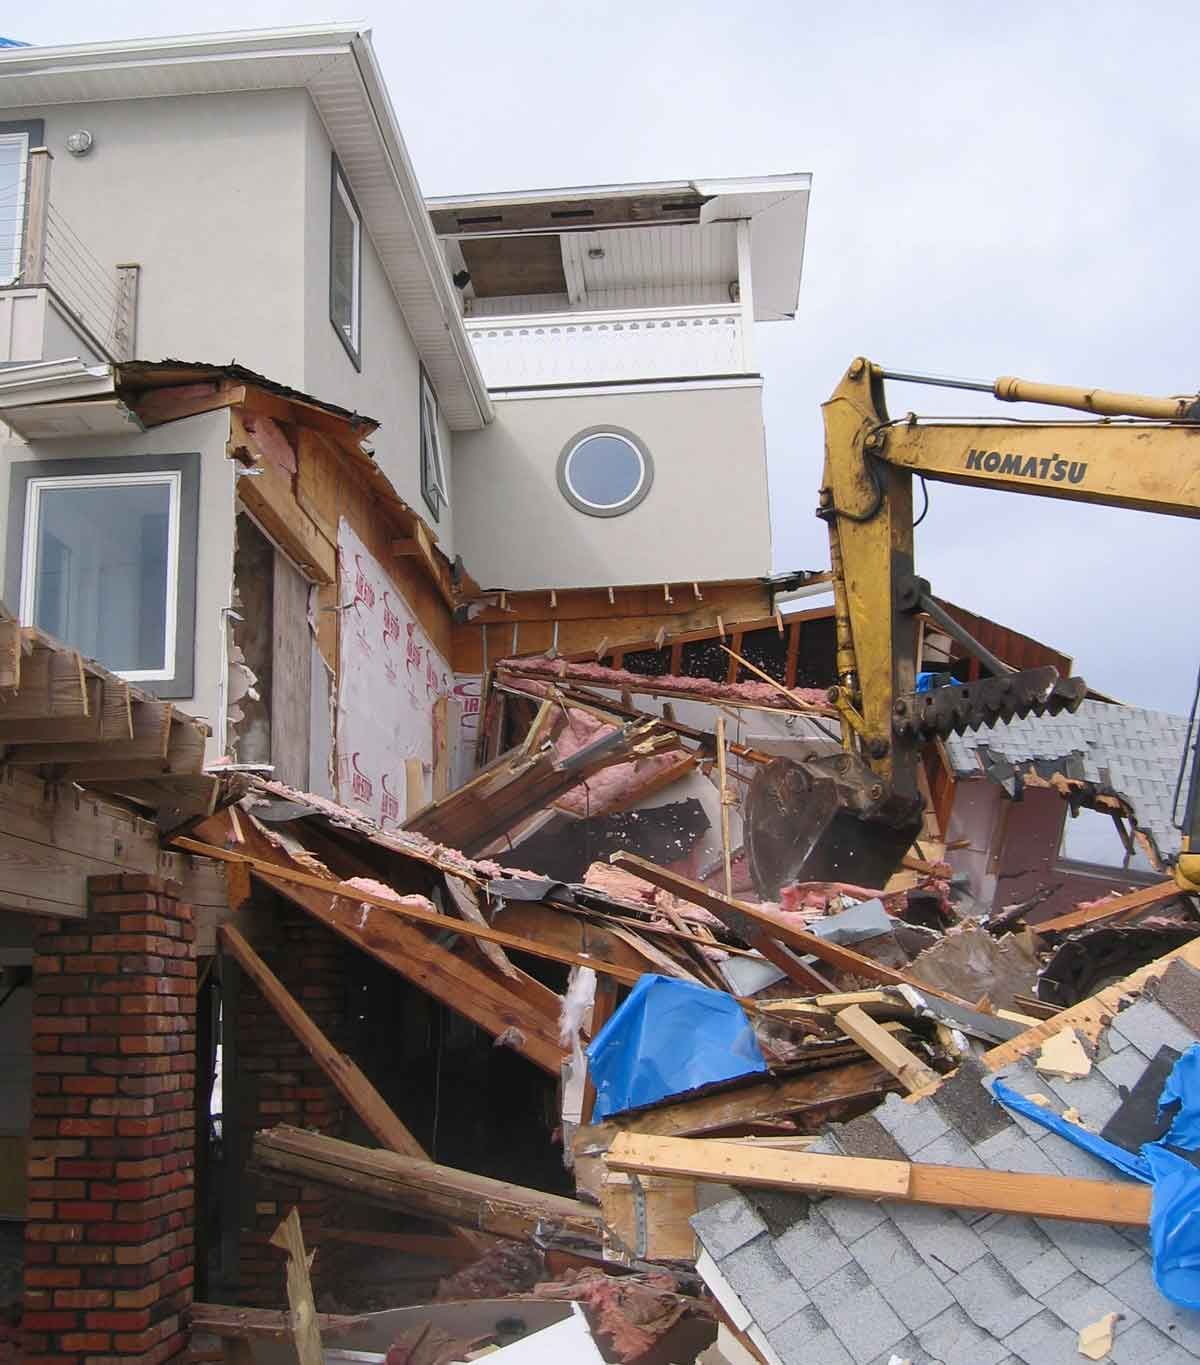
[388, 385]
[706, 516]
[206, 193]
[206, 434]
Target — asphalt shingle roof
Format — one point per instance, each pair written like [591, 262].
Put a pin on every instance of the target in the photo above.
[851, 1282]
[1134, 752]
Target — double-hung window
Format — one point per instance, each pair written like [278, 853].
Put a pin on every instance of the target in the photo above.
[16, 139]
[434, 486]
[108, 561]
[345, 266]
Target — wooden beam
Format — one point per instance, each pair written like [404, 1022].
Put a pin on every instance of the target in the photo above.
[52, 682]
[151, 733]
[741, 916]
[282, 878]
[1127, 905]
[358, 1092]
[155, 406]
[425, 1188]
[257, 1324]
[887, 1050]
[184, 756]
[403, 947]
[1125, 1203]
[306, 1331]
[10, 653]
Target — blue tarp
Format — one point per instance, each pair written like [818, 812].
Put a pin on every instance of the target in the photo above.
[1175, 1205]
[669, 1037]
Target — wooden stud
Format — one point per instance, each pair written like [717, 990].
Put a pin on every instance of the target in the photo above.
[888, 1051]
[723, 788]
[1129, 904]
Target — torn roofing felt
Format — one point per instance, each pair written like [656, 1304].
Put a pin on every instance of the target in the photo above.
[1126, 751]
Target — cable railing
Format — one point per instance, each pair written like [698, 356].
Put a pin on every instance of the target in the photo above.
[88, 290]
[84, 286]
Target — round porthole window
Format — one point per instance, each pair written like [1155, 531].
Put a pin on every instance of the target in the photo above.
[605, 471]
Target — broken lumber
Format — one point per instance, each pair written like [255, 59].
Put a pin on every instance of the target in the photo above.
[1092, 1016]
[1128, 904]
[888, 1051]
[306, 1332]
[746, 919]
[279, 876]
[257, 1324]
[425, 1188]
[814, 1090]
[1126, 1203]
[358, 1092]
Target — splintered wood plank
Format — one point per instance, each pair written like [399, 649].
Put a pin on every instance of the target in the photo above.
[306, 1332]
[887, 1050]
[1126, 1203]
[151, 736]
[52, 682]
[261, 1324]
[354, 1087]
[1128, 904]
[465, 902]
[745, 918]
[426, 1188]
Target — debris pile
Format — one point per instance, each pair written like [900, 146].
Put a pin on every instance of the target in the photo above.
[837, 1054]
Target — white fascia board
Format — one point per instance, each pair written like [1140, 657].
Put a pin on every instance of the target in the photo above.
[54, 381]
[313, 39]
[774, 185]
[777, 209]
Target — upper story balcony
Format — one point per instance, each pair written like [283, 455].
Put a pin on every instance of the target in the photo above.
[57, 300]
[631, 344]
[624, 284]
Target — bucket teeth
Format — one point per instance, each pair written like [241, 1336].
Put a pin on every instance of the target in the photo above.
[955, 709]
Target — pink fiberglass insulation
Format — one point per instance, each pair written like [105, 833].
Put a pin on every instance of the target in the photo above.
[749, 693]
[616, 785]
[626, 886]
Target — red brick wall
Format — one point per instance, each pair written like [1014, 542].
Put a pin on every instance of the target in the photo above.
[108, 1241]
[280, 1083]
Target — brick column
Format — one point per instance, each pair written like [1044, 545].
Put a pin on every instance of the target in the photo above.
[280, 1083]
[108, 1242]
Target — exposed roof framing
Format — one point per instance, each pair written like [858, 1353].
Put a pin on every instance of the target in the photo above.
[66, 718]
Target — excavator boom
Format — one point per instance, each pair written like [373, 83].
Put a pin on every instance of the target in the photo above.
[858, 811]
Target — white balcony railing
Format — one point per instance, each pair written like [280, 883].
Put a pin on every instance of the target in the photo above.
[582, 348]
[99, 300]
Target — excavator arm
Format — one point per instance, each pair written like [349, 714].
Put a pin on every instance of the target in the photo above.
[851, 816]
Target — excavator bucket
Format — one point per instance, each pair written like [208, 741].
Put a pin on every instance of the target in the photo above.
[827, 818]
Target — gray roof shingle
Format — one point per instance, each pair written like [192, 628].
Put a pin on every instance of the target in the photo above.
[859, 1281]
[1134, 752]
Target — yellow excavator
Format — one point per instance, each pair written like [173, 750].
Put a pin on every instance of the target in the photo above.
[851, 815]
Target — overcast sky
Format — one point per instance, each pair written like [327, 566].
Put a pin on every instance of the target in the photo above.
[998, 189]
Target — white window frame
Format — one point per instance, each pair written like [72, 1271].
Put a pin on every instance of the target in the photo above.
[174, 481]
[430, 431]
[341, 194]
[17, 208]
